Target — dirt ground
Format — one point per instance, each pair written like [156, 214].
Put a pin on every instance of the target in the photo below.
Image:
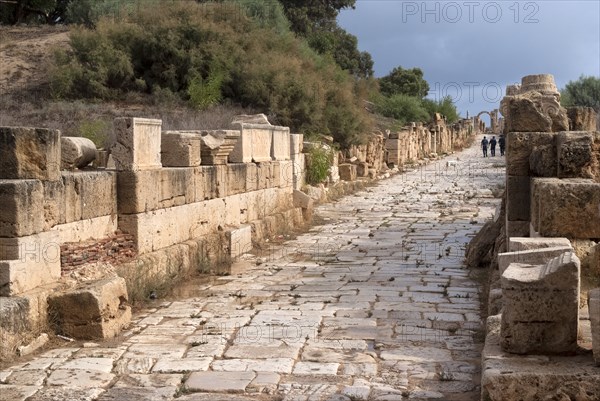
[25, 53]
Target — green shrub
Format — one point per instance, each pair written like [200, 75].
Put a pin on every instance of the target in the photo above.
[403, 108]
[319, 161]
[445, 107]
[209, 53]
[96, 131]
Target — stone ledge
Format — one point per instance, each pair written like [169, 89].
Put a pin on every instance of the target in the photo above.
[534, 377]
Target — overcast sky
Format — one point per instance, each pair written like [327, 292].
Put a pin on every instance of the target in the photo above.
[471, 49]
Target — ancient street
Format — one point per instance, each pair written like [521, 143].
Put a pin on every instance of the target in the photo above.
[372, 304]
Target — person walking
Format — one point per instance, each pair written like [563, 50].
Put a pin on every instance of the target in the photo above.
[493, 146]
[502, 144]
[484, 146]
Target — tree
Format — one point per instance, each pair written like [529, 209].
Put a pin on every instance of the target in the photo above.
[18, 11]
[305, 16]
[583, 92]
[444, 106]
[405, 82]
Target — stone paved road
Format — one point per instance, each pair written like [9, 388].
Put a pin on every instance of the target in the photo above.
[374, 304]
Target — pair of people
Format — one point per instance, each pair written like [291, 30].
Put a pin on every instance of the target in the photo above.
[492, 144]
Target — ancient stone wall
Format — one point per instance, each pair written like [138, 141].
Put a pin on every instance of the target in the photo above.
[164, 194]
[552, 224]
[418, 141]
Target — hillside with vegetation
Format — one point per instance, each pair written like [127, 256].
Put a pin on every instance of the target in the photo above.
[198, 63]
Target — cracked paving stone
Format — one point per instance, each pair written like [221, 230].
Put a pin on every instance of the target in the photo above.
[219, 381]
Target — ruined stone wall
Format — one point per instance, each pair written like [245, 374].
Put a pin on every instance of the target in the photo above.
[418, 141]
[163, 198]
[552, 225]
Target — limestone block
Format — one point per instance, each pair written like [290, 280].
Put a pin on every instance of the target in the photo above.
[299, 170]
[516, 244]
[347, 172]
[565, 208]
[582, 118]
[543, 162]
[254, 145]
[54, 202]
[251, 177]
[517, 228]
[240, 241]
[217, 145]
[76, 152]
[579, 155]
[393, 144]
[29, 153]
[302, 200]
[519, 146]
[530, 257]
[165, 227]
[280, 146]
[259, 119]
[88, 229]
[143, 191]
[29, 262]
[286, 174]
[180, 149]
[518, 198]
[296, 144]
[362, 170]
[541, 307]
[276, 175]
[138, 144]
[594, 309]
[14, 314]
[205, 182]
[93, 311]
[88, 194]
[264, 175]
[22, 211]
[236, 178]
[233, 208]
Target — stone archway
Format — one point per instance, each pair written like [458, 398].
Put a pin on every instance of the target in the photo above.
[493, 119]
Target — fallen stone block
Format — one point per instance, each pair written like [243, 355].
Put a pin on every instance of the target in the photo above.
[530, 257]
[516, 244]
[180, 149]
[93, 311]
[22, 211]
[565, 207]
[138, 144]
[258, 119]
[76, 152]
[541, 307]
[14, 314]
[217, 145]
[347, 172]
[579, 155]
[29, 153]
[594, 309]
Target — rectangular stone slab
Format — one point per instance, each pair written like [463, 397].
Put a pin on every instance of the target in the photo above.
[280, 147]
[529, 243]
[565, 207]
[22, 211]
[29, 153]
[138, 144]
[180, 149]
[530, 257]
[29, 262]
[541, 307]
